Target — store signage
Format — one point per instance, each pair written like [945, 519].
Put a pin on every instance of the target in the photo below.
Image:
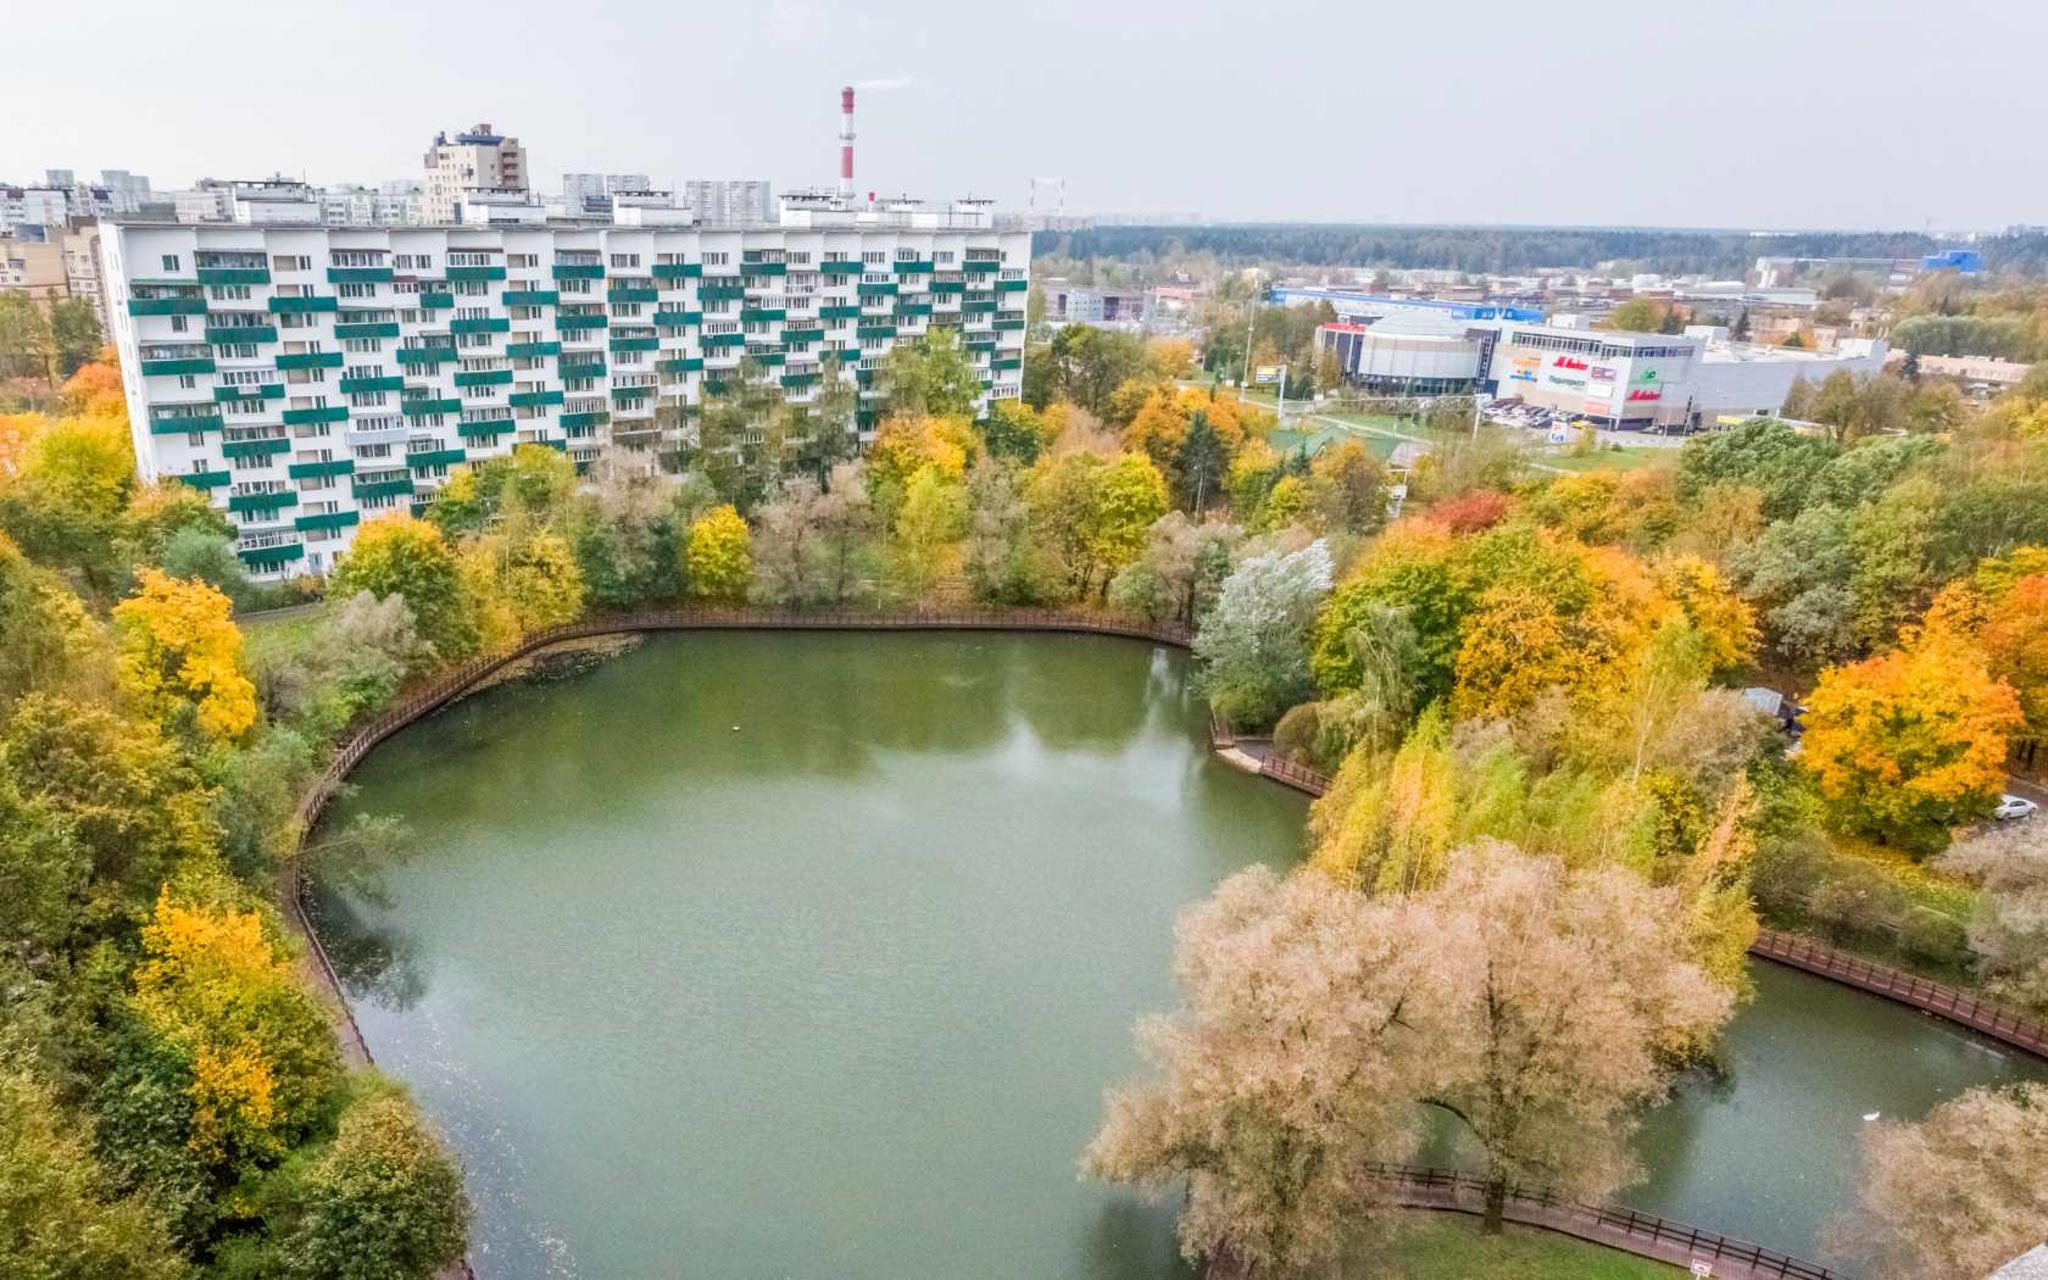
[1646, 375]
[1601, 373]
[1641, 393]
[1596, 406]
[1569, 362]
[1576, 384]
[1266, 374]
[1525, 369]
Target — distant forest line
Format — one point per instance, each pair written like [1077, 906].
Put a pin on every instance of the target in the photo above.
[1510, 250]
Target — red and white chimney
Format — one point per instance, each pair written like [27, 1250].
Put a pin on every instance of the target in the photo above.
[846, 143]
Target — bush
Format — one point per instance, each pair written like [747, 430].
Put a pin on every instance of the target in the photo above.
[1933, 938]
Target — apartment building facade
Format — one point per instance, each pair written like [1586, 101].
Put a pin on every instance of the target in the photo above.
[311, 378]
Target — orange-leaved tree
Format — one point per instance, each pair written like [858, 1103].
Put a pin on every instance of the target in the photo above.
[1908, 743]
[181, 656]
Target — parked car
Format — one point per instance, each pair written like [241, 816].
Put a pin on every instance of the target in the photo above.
[2013, 808]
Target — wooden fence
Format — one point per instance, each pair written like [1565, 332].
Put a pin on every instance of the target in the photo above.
[1943, 1001]
[1644, 1234]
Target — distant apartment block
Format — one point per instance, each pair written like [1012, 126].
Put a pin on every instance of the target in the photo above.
[480, 160]
[728, 201]
[311, 377]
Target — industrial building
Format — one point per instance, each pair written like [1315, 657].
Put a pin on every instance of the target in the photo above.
[1628, 381]
[308, 377]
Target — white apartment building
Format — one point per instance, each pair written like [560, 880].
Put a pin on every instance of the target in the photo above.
[479, 160]
[728, 200]
[309, 378]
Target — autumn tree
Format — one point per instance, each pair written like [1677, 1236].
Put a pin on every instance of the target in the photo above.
[1287, 1070]
[399, 555]
[181, 657]
[786, 545]
[383, 1201]
[1572, 992]
[1094, 511]
[47, 641]
[1387, 825]
[1416, 566]
[67, 505]
[720, 556]
[59, 1215]
[1911, 742]
[931, 377]
[1956, 1194]
[1348, 486]
[846, 521]
[928, 530]
[2014, 637]
[1254, 643]
[2009, 863]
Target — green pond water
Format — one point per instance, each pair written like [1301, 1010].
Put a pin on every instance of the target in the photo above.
[766, 955]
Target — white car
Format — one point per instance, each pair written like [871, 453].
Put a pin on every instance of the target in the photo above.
[2014, 807]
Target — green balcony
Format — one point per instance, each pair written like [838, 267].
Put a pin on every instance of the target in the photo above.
[481, 324]
[949, 286]
[203, 480]
[1007, 362]
[359, 275]
[981, 268]
[633, 294]
[328, 521]
[184, 364]
[475, 273]
[577, 322]
[985, 307]
[233, 275]
[1009, 325]
[980, 344]
[764, 268]
[227, 335]
[268, 447]
[878, 290]
[906, 310]
[802, 337]
[437, 302]
[794, 381]
[302, 306]
[262, 558]
[372, 329]
[262, 503]
[325, 413]
[321, 470]
[426, 408]
[633, 393]
[838, 313]
[435, 458]
[767, 359]
[721, 293]
[425, 355]
[579, 271]
[588, 369]
[533, 399]
[840, 268]
[680, 364]
[1012, 286]
[1008, 315]
[678, 319]
[268, 391]
[871, 332]
[487, 429]
[636, 344]
[531, 350]
[559, 446]
[713, 341]
[913, 268]
[188, 306]
[188, 424]
[531, 297]
[678, 270]
[484, 378]
[310, 360]
[390, 382]
[382, 489]
[596, 418]
[764, 315]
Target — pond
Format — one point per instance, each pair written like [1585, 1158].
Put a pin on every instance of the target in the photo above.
[811, 955]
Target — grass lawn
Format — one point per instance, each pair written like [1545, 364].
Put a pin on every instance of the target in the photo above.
[1610, 459]
[284, 635]
[1448, 1246]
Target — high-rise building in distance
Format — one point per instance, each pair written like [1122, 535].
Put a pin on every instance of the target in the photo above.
[477, 161]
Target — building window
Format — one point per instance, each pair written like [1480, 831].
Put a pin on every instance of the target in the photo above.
[170, 262]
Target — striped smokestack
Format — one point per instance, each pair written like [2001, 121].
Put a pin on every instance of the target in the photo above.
[846, 143]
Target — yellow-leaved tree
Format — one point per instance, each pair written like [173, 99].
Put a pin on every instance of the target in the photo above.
[260, 1059]
[719, 556]
[1909, 743]
[181, 656]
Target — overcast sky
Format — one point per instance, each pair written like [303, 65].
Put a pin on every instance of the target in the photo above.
[1748, 113]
